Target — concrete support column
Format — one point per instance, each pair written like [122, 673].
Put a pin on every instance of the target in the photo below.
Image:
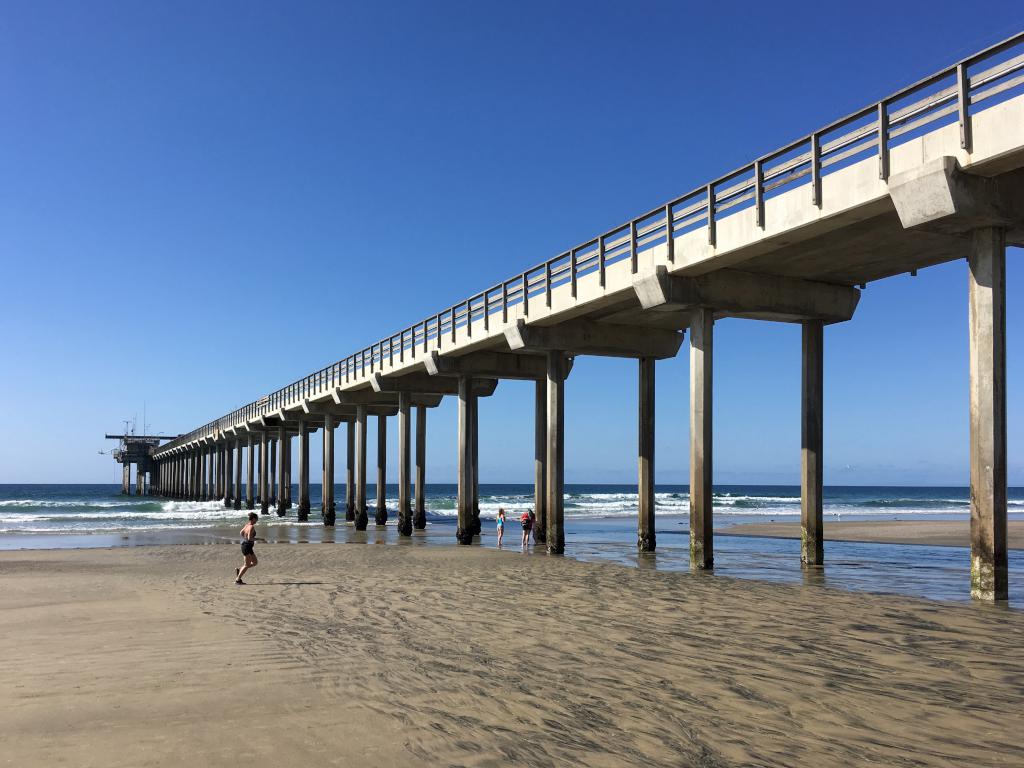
[646, 539]
[282, 507]
[362, 519]
[701, 510]
[404, 459]
[264, 474]
[474, 436]
[464, 531]
[540, 461]
[229, 473]
[303, 512]
[419, 518]
[555, 479]
[139, 481]
[350, 471]
[125, 478]
[272, 485]
[210, 493]
[237, 493]
[250, 496]
[812, 538]
[987, 321]
[286, 449]
[327, 509]
[382, 479]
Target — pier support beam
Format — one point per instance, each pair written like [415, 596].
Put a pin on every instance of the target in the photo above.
[286, 449]
[464, 531]
[381, 517]
[404, 457]
[474, 434]
[701, 499]
[555, 478]
[264, 471]
[540, 460]
[327, 483]
[303, 511]
[362, 519]
[228, 474]
[812, 547]
[419, 519]
[987, 321]
[646, 539]
[350, 475]
[272, 486]
[237, 496]
[250, 495]
[282, 475]
[126, 470]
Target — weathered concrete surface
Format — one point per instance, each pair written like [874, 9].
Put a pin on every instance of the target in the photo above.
[250, 496]
[419, 521]
[812, 550]
[350, 473]
[646, 541]
[701, 490]
[327, 508]
[303, 508]
[540, 460]
[404, 460]
[464, 529]
[361, 518]
[381, 517]
[555, 464]
[583, 337]
[987, 318]
[282, 475]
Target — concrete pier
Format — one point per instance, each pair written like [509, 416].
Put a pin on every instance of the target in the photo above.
[286, 450]
[303, 510]
[237, 496]
[362, 518]
[327, 509]
[812, 550]
[404, 460]
[381, 517]
[419, 519]
[987, 320]
[701, 492]
[272, 486]
[646, 539]
[474, 437]
[282, 474]
[464, 529]
[555, 478]
[540, 461]
[229, 474]
[350, 473]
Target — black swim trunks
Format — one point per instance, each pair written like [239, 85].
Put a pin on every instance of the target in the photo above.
[247, 547]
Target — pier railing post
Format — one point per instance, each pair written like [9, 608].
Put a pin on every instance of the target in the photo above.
[701, 491]
[381, 518]
[464, 531]
[555, 452]
[404, 456]
[327, 509]
[419, 521]
[812, 548]
[987, 322]
[646, 539]
[303, 510]
[362, 519]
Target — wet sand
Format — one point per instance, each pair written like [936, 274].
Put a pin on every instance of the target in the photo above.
[403, 655]
[936, 533]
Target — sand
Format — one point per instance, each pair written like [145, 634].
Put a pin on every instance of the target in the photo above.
[936, 533]
[364, 655]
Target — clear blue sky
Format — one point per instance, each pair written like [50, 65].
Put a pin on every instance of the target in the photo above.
[200, 202]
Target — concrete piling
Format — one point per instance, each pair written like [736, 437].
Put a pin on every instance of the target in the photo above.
[264, 491]
[555, 477]
[404, 457]
[701, 498]
[362, 519]
[250, 496]
[464, 529]
[229, 459]
[646, 540]
[812, 549]
[272, 486]
[303, 509]
[540, 461]
[987, 339]
[419, 520]
[327, 508]
[282, 475]
[350, 473]
[381, 517]
[237, 493]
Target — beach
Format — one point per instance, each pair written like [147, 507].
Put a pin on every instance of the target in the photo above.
[356, 654]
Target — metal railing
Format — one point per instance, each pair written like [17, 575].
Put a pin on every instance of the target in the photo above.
[952, 93]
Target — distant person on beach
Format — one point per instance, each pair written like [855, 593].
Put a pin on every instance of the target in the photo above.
[526, 519]
[501, 524]
[248, 542]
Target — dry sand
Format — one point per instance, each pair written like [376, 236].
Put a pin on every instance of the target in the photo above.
[363, 655]
[936, 533]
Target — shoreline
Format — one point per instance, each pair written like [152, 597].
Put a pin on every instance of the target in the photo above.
[931, 533]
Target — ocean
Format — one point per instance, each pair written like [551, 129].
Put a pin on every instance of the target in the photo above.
[600, 525]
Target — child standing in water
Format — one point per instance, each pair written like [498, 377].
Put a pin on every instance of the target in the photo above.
[248, 542]
[501, 525]
[527, 522]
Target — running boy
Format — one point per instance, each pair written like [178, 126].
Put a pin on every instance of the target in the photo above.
[248, 542]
